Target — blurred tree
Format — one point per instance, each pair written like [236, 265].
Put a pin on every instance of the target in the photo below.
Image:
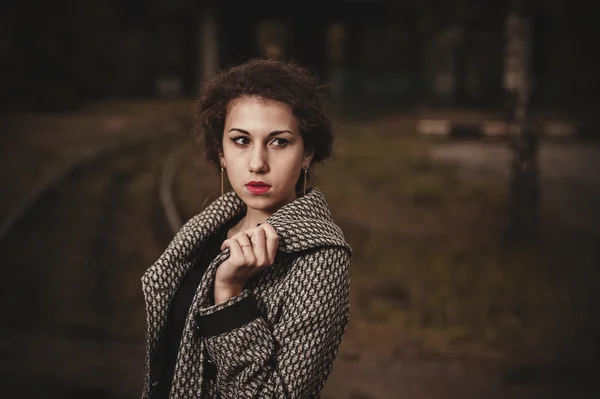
[524, 191]
[209, 39]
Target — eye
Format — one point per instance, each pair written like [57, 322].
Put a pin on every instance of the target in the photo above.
[280, 142]
[240, 140]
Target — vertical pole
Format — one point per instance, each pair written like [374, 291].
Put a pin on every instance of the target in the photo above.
[523, 201]
[208, 39]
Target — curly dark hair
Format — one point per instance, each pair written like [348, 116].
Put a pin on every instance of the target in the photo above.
[272, 80]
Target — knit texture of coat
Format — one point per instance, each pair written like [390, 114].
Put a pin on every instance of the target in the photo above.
[280, 336]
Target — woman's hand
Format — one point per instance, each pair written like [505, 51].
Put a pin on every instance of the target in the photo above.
[250, 252]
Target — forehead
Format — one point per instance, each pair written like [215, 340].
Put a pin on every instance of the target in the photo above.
[257, 115]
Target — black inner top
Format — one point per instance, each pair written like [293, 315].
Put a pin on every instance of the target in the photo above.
[170, 339]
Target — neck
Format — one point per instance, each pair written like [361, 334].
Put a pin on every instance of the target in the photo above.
[255, 216]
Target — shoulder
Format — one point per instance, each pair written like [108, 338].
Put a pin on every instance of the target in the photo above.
[324, 270]
[322, 258]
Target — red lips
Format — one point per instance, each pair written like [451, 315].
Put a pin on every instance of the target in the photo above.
[257, 183]
[257, 187]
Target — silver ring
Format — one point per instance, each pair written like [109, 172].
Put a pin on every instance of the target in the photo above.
[247, 245]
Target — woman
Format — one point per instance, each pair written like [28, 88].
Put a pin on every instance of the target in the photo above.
[250, 299]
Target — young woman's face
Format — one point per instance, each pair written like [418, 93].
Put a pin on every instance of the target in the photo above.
[263, 152]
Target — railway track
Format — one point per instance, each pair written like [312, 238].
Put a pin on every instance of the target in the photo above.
[71, 300]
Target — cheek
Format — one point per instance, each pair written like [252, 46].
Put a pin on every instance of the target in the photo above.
[233, 163]
[290, 168]
[229, 152]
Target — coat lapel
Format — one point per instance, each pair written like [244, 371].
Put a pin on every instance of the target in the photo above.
[162, 279]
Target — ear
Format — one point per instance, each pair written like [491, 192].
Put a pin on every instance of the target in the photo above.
[307, 159]
[222, 159]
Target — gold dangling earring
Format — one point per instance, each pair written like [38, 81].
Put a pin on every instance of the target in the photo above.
[222, 185]
[305, 173]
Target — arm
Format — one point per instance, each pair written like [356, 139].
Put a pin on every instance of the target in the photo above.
[293, 357]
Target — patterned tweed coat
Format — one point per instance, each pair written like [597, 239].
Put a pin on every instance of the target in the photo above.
[276, 339]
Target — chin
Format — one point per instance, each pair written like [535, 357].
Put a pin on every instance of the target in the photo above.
[256, 201]
[265, 202]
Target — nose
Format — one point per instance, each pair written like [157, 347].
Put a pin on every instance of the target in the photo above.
[258, 160]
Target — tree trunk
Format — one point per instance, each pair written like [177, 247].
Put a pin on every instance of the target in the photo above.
[209, 40]
[524, 191]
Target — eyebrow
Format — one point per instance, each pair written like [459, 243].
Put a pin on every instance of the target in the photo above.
[274, 133]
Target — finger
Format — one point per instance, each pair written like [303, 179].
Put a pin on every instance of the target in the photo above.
[235, 251]
[246, 246]
[272, 240]
[258, 238]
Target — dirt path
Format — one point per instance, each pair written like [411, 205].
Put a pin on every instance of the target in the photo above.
[570, 173]
[381, 376]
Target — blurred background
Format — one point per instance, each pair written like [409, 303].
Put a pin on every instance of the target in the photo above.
[465, 177]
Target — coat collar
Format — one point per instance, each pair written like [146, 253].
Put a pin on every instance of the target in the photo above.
[306, 223]
[301, 225]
